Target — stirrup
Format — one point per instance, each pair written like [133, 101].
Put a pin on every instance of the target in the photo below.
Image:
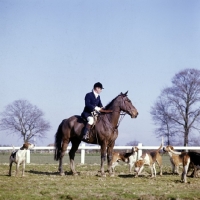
[86, 137]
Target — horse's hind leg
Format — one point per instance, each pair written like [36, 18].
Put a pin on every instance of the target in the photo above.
[63, 149]
[75, 145]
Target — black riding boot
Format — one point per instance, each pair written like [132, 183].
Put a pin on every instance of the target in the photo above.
[86, 132]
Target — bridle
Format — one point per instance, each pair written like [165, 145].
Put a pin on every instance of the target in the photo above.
[122, 113]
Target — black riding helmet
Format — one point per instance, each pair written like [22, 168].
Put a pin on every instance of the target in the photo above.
[98, 84]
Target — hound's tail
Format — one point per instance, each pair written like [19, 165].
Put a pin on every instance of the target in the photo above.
[58, 142]
[174, 152]
[13, 147]
[161, 146]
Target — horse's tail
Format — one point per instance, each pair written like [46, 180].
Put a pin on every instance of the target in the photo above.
[58, 142]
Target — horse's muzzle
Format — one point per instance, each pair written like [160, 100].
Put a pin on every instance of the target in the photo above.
[134, 115]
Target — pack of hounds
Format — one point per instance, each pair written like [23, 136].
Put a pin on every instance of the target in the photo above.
[188, 160]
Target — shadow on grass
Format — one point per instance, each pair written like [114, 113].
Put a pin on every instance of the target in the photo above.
[5, 175]
[42, 173]
[126, 175]
[169, 173]
[49, 173]
[177, 181]
[147, 176]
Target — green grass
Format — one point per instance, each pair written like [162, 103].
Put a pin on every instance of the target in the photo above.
[41, 181]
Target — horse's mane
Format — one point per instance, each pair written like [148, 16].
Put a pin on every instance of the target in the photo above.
[111, 102]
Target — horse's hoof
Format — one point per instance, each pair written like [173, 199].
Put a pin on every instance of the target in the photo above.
[75, 174]
[112, 175]
[103, 175]
[62, 174]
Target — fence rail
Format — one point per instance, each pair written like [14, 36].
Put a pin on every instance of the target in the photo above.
[83, 147]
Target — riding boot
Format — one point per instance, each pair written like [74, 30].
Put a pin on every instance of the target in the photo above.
[86, 132]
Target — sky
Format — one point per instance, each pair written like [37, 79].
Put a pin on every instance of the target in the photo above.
[52, 52]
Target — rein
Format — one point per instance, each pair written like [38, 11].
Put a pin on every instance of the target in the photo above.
[122, 114]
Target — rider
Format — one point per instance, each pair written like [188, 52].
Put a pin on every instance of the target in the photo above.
[92, 103]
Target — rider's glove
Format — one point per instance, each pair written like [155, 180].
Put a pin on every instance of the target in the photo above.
[97, 108]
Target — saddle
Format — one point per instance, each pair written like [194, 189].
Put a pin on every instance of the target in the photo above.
[95, 115]
[88, 128]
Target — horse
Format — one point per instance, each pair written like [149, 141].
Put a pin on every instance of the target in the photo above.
[104, 132]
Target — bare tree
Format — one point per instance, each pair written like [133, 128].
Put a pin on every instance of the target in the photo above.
[24, 119]
[160, 115]
[181, 109]
[133, 143]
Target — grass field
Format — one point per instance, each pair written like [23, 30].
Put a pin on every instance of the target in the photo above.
[41, 181]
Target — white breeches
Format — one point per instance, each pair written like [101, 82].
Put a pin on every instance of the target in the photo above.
[90, 120]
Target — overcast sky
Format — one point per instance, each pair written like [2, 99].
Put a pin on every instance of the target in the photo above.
[52, 52]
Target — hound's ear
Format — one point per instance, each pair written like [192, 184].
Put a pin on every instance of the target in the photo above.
[23, 147]
[26, 144]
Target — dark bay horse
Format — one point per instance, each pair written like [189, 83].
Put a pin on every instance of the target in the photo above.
[104, 133]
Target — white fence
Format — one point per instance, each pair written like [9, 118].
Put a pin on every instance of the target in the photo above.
[83, 147]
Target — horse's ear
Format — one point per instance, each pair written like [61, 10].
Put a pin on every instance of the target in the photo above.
[126, 93]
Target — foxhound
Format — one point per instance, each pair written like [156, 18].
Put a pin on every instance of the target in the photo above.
[129, 158]
[176, 160]
[19, 157]
[149, 159]
[188, 158]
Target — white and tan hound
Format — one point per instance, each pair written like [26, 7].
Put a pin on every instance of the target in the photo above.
[188, 158]
[176, 160]
[129, 158]
[19, 157]
[149, 159]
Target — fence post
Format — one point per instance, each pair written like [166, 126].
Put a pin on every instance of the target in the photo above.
[28, 156]
[83, 154]
[140, 150]
[186, 149]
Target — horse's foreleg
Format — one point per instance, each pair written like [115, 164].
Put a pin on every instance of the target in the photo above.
[63, 149]
[60, 169]
[72, 152]
[103, 159]
[109, 159]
